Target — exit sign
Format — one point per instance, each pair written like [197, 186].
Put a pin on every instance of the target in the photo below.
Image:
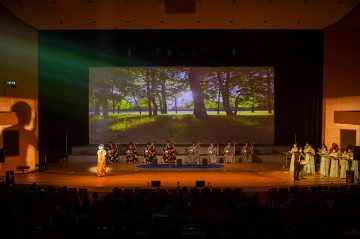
[10, 84]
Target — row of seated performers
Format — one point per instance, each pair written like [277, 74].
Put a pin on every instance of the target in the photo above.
[193, 152]
[108, 155]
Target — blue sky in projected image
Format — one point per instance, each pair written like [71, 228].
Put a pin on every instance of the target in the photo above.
[183, 99]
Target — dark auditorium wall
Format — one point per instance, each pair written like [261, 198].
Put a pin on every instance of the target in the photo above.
[65, 56]
[341, 75]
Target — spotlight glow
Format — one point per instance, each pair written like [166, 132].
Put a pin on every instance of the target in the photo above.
[93, 169]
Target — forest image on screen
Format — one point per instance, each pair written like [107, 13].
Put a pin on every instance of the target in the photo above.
[146, 104]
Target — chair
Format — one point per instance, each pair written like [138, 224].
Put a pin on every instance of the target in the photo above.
[23, 168]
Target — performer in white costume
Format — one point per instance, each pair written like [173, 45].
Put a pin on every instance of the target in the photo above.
[309, 152]
[334, 156]
[293, 150]
[324, 161]
[354, 164]
[344, 163]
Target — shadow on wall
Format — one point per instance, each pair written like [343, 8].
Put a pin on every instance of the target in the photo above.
[27, 141]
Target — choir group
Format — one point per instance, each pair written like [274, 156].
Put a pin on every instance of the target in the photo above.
[333, 162]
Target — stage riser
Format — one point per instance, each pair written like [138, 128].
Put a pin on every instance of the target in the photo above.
[271, 158]
[259, 150]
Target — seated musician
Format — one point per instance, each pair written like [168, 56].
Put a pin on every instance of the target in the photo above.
[149, 153]
[131, 153]
[213, 152]
[111, 153]
[229, 152]
[194, 152]
[169, 155]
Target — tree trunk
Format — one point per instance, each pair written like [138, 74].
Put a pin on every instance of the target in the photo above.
[175, 101]
[97, 107]
[148, 92]
[161, 105]
[269, 107]
[236, 106]
[252, 108]
[137, 103]
[153, 93]
[113, 105]
[113, 100]
[225, 92]
[163, 96]
[105, 106]
[269, 94]
[218, 99]
[198, 98]
[155, 107]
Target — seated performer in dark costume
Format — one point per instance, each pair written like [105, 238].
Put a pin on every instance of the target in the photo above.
[169, 154]
[149, 153]
[111, 153]
[131, 153]
[298, 164]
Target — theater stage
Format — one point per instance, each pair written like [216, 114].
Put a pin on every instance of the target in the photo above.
[251, 177]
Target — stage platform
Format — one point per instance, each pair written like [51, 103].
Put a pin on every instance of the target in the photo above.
[256, 177]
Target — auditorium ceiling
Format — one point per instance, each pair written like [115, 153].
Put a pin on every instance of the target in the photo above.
[179, 14]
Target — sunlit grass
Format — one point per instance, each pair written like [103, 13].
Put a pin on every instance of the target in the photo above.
[123, 116]
[136, 122]
[184, 122]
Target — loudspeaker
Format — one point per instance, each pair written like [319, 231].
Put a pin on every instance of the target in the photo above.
[205, 161]
[155, 161]
[155, 183]
[349, 176]
[356, 152]
[11, 142]
[178, 162]
[200, 183]
[10, 177]
[2, 156]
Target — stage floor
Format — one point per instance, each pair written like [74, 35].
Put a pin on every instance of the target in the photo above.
[250, 177]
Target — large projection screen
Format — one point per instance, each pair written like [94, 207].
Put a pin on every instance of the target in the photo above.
[146, 104]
